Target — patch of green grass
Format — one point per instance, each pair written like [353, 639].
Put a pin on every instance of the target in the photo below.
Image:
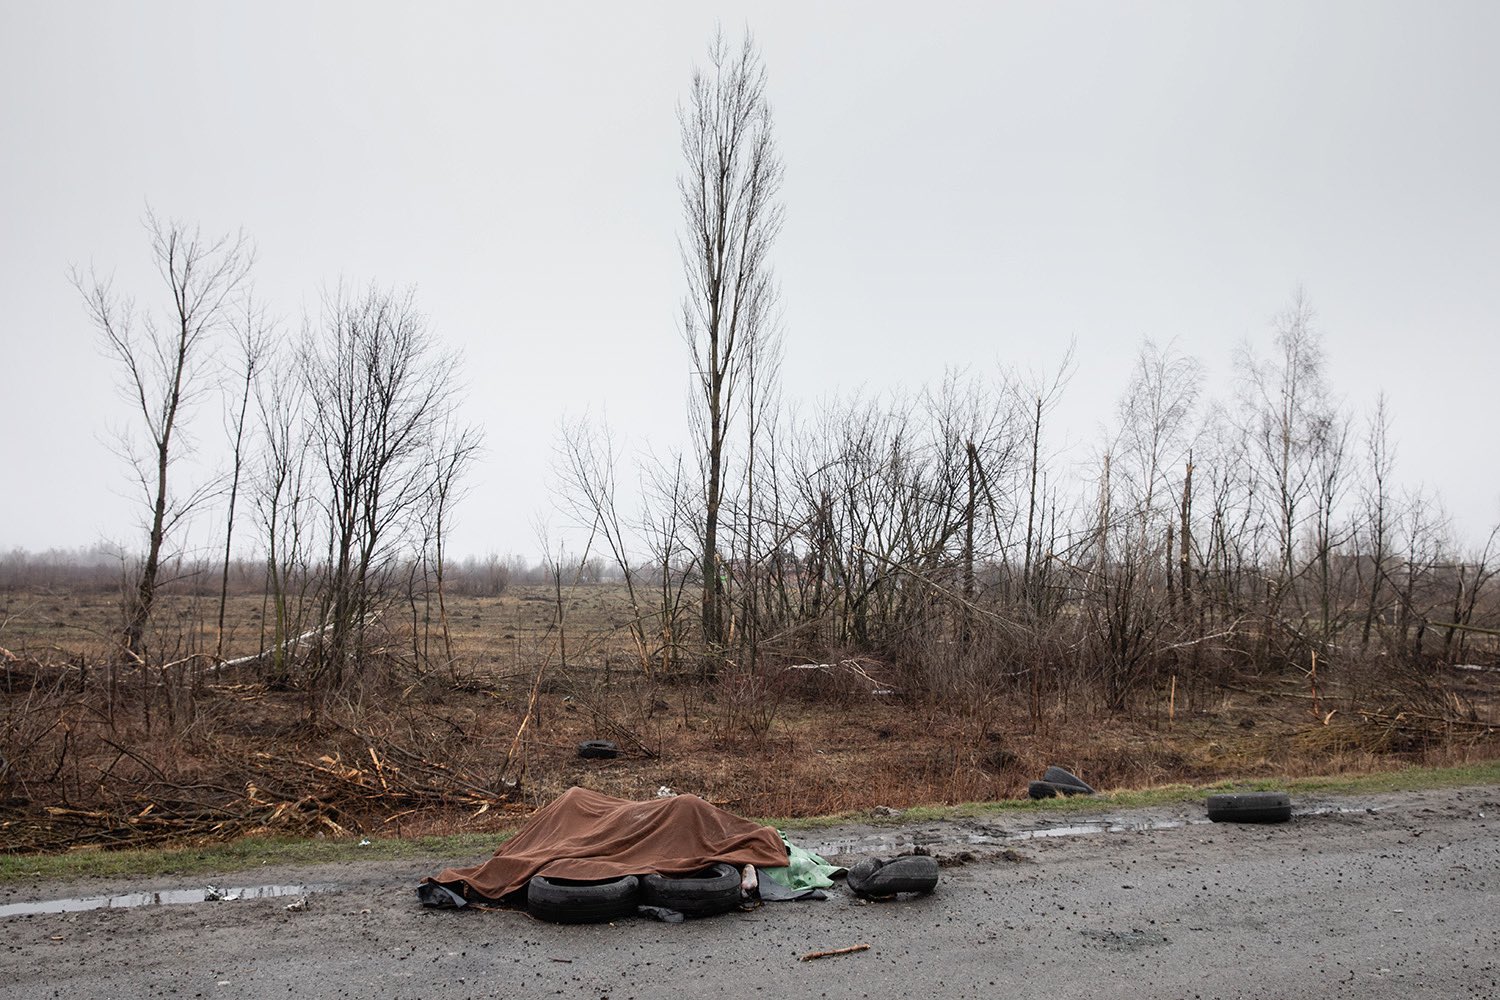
[252, 852]
[1404, 780]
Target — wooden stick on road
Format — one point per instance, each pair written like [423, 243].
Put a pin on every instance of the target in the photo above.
[836, 951]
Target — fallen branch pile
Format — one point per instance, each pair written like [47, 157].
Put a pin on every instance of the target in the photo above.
[1426, 730]
[264, 793]
[345, 795]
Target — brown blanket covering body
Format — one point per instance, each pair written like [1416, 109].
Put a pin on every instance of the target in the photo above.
[588, 835]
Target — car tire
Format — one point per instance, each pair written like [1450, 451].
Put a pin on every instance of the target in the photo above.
[716, 889]
[1250, 807]
[568, 901]
[873, 878]
[601, 749]
[1051, 790]
[1059, 776]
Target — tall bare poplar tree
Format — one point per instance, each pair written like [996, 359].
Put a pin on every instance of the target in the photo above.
[731, 216]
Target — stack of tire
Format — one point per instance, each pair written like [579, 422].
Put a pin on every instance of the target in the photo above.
[716, 889]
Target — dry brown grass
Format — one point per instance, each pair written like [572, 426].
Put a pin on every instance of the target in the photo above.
[772, 743]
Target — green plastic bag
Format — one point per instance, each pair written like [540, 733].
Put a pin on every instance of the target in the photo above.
[805, 869]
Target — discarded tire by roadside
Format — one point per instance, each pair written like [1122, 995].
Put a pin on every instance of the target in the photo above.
[1067, 779]
[568, 901]
[716, 889]
[1051, 790]
[873, 878]
[1250, 807]
[602, 749]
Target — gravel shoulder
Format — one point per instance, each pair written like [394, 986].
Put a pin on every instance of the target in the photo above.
[1392, 895]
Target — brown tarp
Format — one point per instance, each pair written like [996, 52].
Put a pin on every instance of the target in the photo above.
[588, 835]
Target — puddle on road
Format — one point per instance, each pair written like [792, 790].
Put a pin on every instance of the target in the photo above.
[971, 837]
[166, 897]
[936, 838]
[1085, 829]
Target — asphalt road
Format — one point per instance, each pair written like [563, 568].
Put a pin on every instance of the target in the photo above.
[1402, 901]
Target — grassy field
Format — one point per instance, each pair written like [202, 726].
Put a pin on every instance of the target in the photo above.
[190, 756]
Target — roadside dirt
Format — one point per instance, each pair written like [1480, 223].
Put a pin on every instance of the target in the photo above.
[1392, 895]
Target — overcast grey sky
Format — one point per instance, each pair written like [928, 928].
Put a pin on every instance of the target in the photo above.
[966, 184]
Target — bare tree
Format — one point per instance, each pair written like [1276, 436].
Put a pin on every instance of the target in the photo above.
[454, 449]
[665, 528]
[1230, 480]
[283, 499]
[1039, 395]
[1126, 606]
[165, 367]
[1164, 389]
[1378, 512]
[252, 332]
[586, 467]
[1286, 401]
[380, 391]
[1329, 482]
[731, 216]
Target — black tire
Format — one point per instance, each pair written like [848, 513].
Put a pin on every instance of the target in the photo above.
[567, 901]
[1042, 790]
[1059, 776]
[876, 879]
[602, 749]
[716, 889]
[1250, 807]
[1050, 790]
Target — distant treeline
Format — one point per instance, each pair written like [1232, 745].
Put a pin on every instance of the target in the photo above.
[105, 571]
